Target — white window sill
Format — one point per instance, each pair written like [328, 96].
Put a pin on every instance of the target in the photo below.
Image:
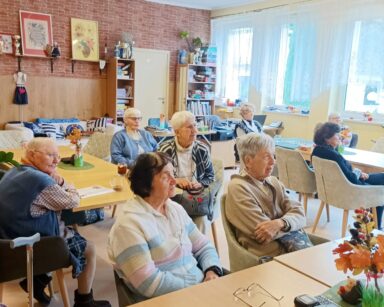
[364, 122]
[285, 113]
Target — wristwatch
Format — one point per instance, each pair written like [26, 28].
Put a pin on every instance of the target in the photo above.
[218, 271]
[286, 227]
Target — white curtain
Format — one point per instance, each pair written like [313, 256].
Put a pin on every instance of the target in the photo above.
[322, 43]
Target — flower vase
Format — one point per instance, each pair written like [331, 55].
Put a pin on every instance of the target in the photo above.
[78, 160]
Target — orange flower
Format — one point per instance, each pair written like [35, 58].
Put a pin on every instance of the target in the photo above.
[343, 263]
[361, 258]
[342, 248]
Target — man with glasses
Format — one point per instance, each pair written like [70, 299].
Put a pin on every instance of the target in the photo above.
[32, 197]
[128, 143]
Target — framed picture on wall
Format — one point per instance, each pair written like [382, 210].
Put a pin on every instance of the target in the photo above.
[85, 40]
[6, 43]
[36, 33]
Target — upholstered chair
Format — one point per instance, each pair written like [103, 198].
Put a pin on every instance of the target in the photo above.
[295, 173]
[14, 138]
[335, 189]
[99, 145]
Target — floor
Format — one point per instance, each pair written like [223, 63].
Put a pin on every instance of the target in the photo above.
[104, 287]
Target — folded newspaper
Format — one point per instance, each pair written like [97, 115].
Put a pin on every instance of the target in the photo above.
[94, 191]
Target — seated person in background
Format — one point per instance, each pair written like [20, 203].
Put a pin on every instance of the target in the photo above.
[155, 246]
[266, 221]
[128, 143]
[327, 139]
[32, 197]
[190, 158]
[246, 125]
[345, 132]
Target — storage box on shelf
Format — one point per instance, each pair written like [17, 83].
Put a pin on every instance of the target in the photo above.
[120, 88]
[196, 88]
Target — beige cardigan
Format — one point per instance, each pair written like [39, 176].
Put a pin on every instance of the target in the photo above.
[247, 205]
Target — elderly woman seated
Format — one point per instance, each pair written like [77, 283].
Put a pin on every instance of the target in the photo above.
[327, 139]
[154, 244]
[266, 221]
[128, 143]
[247, 123]
[190, 158]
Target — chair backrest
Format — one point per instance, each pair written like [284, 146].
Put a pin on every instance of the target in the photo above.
[239, 257]
[379, 145]
[124, 295]
[99, 145]
[335, 189]
[354, 140]
[294, 172]
[49, 254]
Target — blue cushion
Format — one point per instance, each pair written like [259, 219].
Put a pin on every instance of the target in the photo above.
[56, 120]
[35, 128]
[49, 129]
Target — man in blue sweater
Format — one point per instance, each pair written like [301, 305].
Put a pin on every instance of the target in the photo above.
[32, 197]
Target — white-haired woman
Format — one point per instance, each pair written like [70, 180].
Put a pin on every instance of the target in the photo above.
[127, 144]
[190, 158]
[247, 123]
[266, 221]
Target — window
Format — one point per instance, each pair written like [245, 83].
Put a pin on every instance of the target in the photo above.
[238, 70]
[295, 64]
[365, 88]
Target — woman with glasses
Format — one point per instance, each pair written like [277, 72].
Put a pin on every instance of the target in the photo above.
[190, 158]
[155, 246]
[128, 143]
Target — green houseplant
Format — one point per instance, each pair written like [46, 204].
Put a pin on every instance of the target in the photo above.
[7, 158]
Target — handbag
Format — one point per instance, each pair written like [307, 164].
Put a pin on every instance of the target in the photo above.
[197, 202]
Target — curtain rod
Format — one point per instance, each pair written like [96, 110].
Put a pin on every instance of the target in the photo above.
[262, 9]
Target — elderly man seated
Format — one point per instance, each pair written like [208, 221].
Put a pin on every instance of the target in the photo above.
[266, 221]
[190, 158]
[32, 197]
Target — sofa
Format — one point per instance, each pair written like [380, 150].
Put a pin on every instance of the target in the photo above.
[58, 128]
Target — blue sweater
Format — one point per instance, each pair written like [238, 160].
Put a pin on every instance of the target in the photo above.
[125, 150]
[18, 189]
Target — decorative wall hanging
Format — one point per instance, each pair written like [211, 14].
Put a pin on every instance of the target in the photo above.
[85, 40]
[6, 43]
[36, 33]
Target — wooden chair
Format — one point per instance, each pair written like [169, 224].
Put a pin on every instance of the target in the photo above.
[49, 254]
[335, 189]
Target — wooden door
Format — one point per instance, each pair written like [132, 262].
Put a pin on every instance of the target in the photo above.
[151, 82]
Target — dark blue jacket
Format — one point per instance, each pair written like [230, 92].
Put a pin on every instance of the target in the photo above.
[327, 152]
[18, 189]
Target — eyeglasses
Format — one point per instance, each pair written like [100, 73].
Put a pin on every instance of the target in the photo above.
[135, 118]
[252, 287]
[50, 155]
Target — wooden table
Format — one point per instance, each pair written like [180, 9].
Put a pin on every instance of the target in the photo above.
[100, 174]
[278, 279]
[316, 262]
[367, 161]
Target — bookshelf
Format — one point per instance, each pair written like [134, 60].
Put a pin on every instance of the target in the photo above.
[196, 88]
[120, 88]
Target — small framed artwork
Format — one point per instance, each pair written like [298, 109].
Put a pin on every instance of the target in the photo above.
[6, 44]
[36, 33]
[85, 40]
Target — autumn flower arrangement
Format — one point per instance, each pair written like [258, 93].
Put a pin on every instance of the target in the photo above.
[75, 138]
[363, 253]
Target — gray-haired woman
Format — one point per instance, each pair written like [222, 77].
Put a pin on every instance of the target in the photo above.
[266, 221]
[190, 158]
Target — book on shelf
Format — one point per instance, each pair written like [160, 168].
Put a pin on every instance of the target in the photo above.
[199, 108]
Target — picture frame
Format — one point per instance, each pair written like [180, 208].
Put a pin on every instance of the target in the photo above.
[85, 40]
[7, 45]
[36, 33]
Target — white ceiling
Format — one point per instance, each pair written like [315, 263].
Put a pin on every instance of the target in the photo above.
[206, 4]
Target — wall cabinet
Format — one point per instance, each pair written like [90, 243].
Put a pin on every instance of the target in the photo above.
[120, 87]
[196, 88]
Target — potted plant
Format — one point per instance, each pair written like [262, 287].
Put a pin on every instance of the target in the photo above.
[7, 159]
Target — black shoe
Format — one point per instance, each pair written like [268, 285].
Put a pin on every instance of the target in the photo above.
[40, 282]
[86, 300]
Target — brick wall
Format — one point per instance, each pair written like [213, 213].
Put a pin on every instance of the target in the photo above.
[154, 26]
